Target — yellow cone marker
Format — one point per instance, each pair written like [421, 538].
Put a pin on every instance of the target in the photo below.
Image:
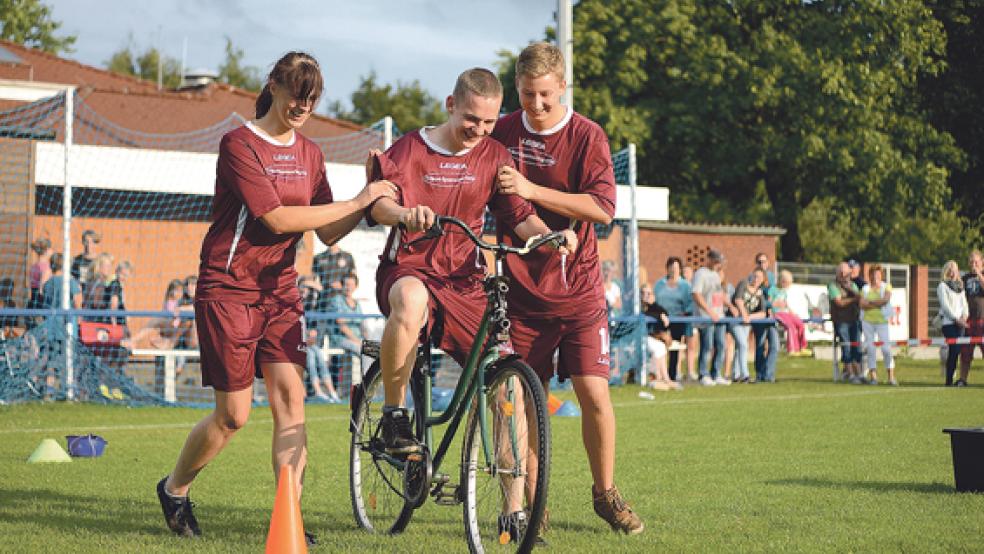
[49, 451]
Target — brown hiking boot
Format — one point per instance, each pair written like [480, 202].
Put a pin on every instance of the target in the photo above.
[611, 507]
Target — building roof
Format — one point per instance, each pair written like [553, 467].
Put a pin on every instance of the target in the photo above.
[136, 104]
[713, 228]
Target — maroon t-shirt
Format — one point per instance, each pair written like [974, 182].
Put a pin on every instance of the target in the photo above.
[572, 157]
[459, 184]
[242, 260]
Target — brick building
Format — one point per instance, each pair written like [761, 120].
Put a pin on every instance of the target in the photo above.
[658, 240]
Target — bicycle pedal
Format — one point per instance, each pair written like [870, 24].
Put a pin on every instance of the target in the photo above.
[442, 498]
[371, 349]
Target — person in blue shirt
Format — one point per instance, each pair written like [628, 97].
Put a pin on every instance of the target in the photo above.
[673, 294]
[51, 292]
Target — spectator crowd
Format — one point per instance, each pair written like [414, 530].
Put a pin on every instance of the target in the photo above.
[732, 332]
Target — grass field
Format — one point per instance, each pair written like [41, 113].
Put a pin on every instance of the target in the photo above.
[801, 465]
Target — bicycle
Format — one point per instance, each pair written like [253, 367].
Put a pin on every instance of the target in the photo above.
[505, 454]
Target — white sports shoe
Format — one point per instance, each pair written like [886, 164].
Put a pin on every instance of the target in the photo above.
[722, 381]
[707, 381]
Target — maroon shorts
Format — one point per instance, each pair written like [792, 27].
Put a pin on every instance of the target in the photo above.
[975, 328]
[582, 340]
[235, 338]
[458, 304]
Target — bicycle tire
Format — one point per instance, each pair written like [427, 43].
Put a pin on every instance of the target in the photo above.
[485, 484]
[375, 486]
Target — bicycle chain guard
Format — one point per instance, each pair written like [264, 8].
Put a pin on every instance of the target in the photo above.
[417, 473]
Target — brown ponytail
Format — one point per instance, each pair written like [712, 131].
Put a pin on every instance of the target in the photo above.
[299, 73]
[264, 101]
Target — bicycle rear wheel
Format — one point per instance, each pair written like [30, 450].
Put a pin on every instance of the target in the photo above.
[506, 461]
[375, 478]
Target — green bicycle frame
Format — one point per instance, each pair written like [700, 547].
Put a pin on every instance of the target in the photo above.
[472, 381]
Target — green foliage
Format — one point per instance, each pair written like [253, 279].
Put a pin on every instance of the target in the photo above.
[828, 232]
[954, 97]
[506, 69]
[799, 100]
[128, 61]
[29, 22]
[410, 105]
[233, 72]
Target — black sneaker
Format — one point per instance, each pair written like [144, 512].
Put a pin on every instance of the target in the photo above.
[398, 433]
[310, 539]
[514, 525]
[177, 513]
[961, 383]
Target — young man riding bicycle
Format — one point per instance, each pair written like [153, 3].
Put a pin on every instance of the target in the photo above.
[446, 170]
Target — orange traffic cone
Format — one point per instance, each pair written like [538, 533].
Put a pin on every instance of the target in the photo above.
[286, 534]
[553, 404]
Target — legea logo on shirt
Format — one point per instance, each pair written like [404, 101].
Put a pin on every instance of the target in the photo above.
[528, 154]
[287, 171]
[283, 157]
[449, 175]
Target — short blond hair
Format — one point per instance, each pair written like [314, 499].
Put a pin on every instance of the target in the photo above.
[539, 59]
[479, 82]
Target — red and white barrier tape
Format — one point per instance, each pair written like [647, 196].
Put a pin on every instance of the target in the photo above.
[925, 342]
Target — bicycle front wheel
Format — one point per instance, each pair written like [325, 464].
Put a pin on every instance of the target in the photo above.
[375, 478]
[506, 460]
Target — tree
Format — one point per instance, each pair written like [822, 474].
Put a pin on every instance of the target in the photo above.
[29, 22]
[127, 61]
[954, 97]
[233, 72]
[410, 106]
[779, 112]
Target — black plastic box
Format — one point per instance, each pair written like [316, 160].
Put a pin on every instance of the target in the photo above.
[968, 458]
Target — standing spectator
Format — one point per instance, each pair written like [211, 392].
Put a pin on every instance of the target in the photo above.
[190, 338]
[97, 293]
[318, 372]
[51, 293]
[347, 333]
[762, 262]
[331, 267]
[954, 312]
[673, 294]
[796, 343]
[82, 264]
[38, 275]
[756, 305]
[857, 276]
[730, 310]
[845, 312]
[876, 310]
[51, 297]
[613, 292]
[708, 296]
[114, 290]
[744, 301]
[973, 282]
[688, 274]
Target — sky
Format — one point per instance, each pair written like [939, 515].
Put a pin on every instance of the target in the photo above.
[401, 40]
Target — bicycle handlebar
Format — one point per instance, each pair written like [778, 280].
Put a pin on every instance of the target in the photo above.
[437, 230]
